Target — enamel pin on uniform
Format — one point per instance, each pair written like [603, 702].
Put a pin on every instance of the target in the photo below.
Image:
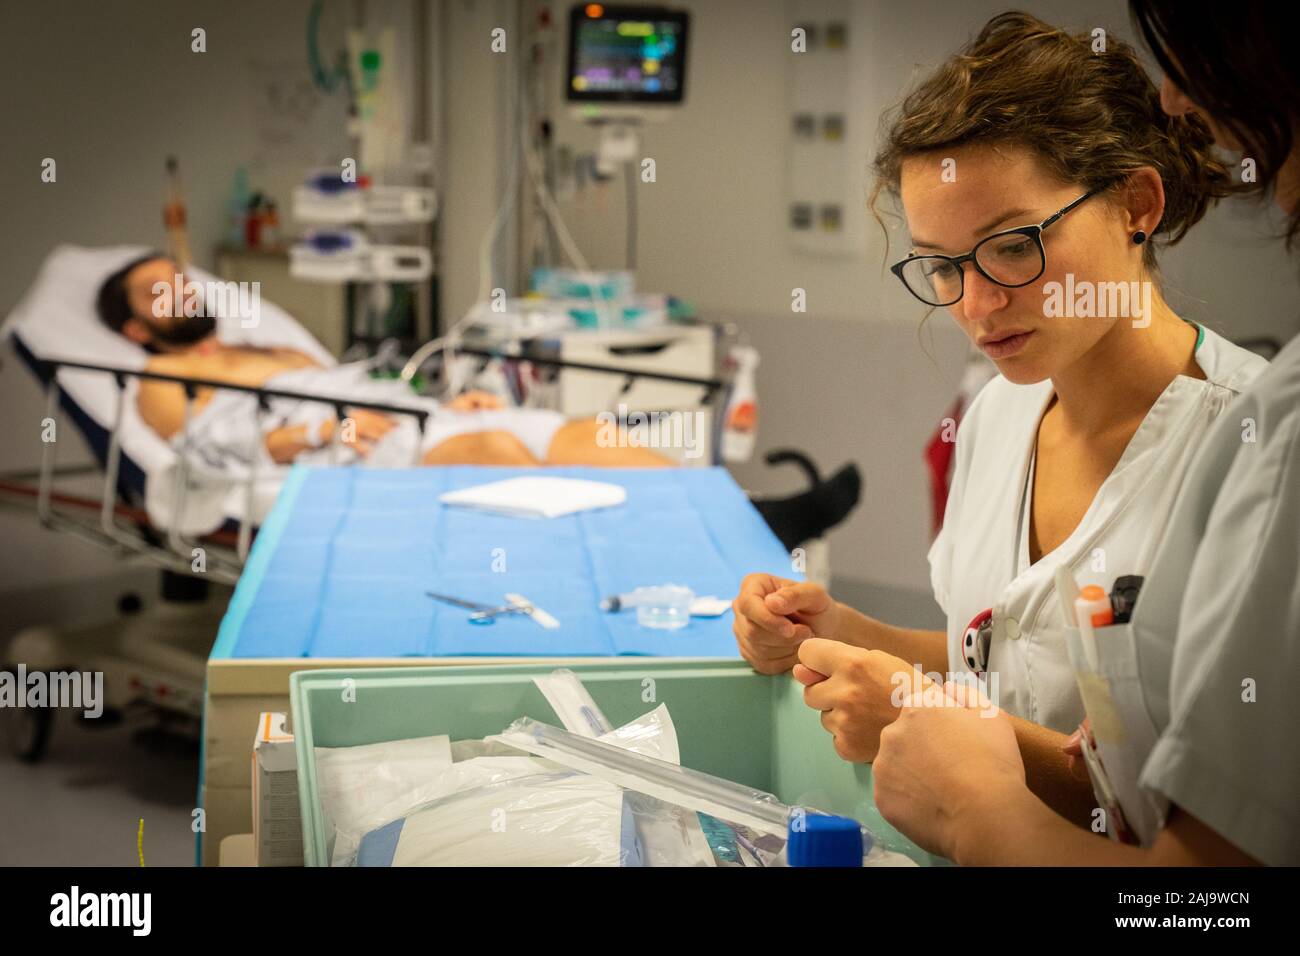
[976, 641]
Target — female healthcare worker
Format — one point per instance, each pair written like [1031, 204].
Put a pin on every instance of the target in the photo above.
[1033, 171]
[1201, 747]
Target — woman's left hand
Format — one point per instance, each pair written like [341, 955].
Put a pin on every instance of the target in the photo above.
[858, 692]
[942, 761]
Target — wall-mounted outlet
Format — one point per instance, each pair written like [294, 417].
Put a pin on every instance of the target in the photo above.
[827, 148]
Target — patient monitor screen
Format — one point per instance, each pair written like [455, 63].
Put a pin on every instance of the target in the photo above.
[626, 54]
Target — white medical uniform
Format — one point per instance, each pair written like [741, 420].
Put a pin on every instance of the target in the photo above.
[1216, 634]
[980, 559]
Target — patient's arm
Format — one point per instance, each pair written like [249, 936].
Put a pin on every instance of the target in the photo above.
[362, 431]
[284, 444]
[162, 404]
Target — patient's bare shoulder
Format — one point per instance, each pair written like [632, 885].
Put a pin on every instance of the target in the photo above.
[177, 363]
[162, 404]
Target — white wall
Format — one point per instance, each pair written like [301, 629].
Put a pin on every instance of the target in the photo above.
[473, 137]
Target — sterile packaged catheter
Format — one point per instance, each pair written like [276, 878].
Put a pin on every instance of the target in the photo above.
[666, 835]
[701, 792]
[759, 822]
[572, 703]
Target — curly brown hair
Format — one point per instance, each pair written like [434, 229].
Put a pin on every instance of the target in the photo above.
[1091, 118]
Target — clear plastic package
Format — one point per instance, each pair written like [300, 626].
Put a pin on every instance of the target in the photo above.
[572, 703]
[358, 784]
[541, 819]
[701, 792]
[667, 835]
[424, 822]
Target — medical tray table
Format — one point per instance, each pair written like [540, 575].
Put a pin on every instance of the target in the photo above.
[338, 574]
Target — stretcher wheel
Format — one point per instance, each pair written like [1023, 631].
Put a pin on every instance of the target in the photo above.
[27, 730]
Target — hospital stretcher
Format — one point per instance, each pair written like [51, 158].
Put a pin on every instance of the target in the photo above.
[89, 371]
[152, 661]
[124, 479]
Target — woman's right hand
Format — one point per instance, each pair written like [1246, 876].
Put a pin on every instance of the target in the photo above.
[773, 616]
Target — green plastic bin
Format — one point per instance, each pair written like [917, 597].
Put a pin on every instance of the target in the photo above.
[730, 722]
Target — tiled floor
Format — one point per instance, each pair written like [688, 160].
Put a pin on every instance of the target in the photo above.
[83, 803]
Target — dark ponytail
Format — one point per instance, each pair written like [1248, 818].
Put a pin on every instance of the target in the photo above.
[1237, 62]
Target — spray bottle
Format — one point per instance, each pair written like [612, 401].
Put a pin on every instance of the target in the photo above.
[740, 420]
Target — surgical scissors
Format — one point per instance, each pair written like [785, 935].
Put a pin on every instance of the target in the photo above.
[483, 613]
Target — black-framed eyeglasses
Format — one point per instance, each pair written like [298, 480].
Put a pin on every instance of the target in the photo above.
[1011, 259]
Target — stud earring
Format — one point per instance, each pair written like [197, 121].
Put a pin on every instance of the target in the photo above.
[1139, 237]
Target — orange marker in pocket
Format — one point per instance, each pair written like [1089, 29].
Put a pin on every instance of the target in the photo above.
[1093, 606]
[1092, 610]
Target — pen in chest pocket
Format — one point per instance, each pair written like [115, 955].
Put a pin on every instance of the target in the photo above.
[1124, 595]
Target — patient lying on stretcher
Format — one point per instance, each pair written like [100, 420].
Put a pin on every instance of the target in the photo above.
[473, 429]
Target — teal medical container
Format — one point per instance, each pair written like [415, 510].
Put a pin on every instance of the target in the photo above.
[730, 722]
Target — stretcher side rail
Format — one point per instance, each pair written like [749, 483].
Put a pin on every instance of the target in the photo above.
[714, 387]
[527, 353]
[138, 537]
[222, 563]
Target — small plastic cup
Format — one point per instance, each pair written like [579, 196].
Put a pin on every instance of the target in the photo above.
[665, 607]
